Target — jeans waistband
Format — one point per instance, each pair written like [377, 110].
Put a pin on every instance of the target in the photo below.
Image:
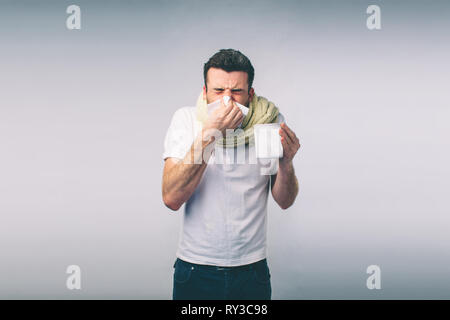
[221, 268]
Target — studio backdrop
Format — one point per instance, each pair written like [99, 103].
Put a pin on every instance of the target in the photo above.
[87, 93]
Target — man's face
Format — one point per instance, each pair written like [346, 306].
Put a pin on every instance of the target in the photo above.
[234, 84]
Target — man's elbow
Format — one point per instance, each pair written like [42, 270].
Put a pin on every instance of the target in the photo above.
[287, 204]
[171, 203]
[284, 207]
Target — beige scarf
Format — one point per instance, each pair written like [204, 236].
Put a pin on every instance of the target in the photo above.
[260, 110]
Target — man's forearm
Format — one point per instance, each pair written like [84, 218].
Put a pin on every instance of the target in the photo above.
[285, 188]
[183, 178]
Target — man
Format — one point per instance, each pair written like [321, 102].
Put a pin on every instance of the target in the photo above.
[222, 249]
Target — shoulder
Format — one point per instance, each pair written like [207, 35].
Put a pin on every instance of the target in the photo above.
[184, 116]
[280, 118]
[185, 112]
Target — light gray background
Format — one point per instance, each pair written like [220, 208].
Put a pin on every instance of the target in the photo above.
[83, 115]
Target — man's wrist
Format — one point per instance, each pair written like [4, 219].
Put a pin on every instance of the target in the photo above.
[286, 164]
[203, 147]
[206, 137]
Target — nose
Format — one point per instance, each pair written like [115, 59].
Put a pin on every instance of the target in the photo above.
[227, 92]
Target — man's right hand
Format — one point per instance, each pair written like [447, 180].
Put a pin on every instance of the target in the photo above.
[224, 117]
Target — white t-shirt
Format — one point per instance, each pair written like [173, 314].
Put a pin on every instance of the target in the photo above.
[225, 219]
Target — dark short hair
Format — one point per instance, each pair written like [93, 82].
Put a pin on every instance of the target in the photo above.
[230, 60]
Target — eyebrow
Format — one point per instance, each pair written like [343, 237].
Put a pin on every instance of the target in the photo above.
[235, 89]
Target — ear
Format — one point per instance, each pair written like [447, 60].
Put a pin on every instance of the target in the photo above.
[251, 94]
[204, 92]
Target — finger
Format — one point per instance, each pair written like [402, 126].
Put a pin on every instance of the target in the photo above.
[235, 111]
[228, 107]
[287, 147]
[239, 116]
[289, 131]
[294, 139]
[286, 143]
[285, 135]
[292, 147]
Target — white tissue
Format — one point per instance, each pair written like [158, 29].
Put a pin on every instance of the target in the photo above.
[212, 106]
[226, 99]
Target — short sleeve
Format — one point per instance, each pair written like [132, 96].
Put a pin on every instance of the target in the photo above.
[179, 136]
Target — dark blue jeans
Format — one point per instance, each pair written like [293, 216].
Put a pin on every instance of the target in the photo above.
[195, 281]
